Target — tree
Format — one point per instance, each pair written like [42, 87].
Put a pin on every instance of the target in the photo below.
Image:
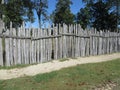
[115, 7]
[17, 11]
[116, 3]
[62, 13]
[41, 10]
[1, 8]
[102, 15]
[83, 17]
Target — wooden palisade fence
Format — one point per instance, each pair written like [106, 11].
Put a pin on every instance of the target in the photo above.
[34, 45]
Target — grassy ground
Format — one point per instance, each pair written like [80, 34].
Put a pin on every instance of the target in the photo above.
[80, 77]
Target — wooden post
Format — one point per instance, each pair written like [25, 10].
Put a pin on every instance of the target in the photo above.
[41, 46]
[49, 44]
[7, 51]
[61, 41]
[79, 41]
[19, 47]
[27, 46]
[1, 44]
[35, 45]
[116, 43]
[64, 42]
[38, 45]
[11, 45]
[76, 41]
[14, 47]
[73, 41]
[56, 42]
[33, 49]
[30, 45]
[1, 52]
[83, 45]
[45, 45]
[111, 41]
[100, 43]
[87, 43]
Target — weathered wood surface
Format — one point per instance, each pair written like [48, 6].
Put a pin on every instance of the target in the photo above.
[1, 44]
[33, 45]
[1, 52]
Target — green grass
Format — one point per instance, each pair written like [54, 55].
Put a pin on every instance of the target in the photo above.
[80, 77]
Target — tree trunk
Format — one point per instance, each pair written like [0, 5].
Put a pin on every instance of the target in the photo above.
[39, 21]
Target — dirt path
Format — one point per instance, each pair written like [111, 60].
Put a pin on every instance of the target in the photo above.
[54, 65]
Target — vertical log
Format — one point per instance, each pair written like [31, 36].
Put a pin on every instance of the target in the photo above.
[49, 44]
[87, 44]
[32, 48]
[61, 40]
[64, 42]
[35, 46]
[79, 41]
[80, 44]
[30, 45]
[41, 46]
[14, 48]
[110, 43]
[76, 41]
[1, 44]
[90, 43]
[1, 52]
[7, 51]
[103, 44]
[46, 47]
[55, 32]
[107, 42]
[22, 46]
[116, 43]
[68, 42]
[100, 43]
[11, 54]
[73, 41]
[95, 42]
[27, 46]
[19, 47]
[83, 44]
[38, 46]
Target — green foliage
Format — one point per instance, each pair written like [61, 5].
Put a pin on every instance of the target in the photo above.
[17, 11]
[83, 17]
[98, 14]
[102, 19]
[62, 13]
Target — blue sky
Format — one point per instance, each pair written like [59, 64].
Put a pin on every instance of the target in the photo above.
[75, 7]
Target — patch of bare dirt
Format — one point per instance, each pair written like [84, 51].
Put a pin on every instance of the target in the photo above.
[53, 66]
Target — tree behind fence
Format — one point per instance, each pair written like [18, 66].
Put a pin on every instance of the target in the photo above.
[34, 45]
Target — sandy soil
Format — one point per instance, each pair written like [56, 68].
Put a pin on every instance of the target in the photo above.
[53, 66]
